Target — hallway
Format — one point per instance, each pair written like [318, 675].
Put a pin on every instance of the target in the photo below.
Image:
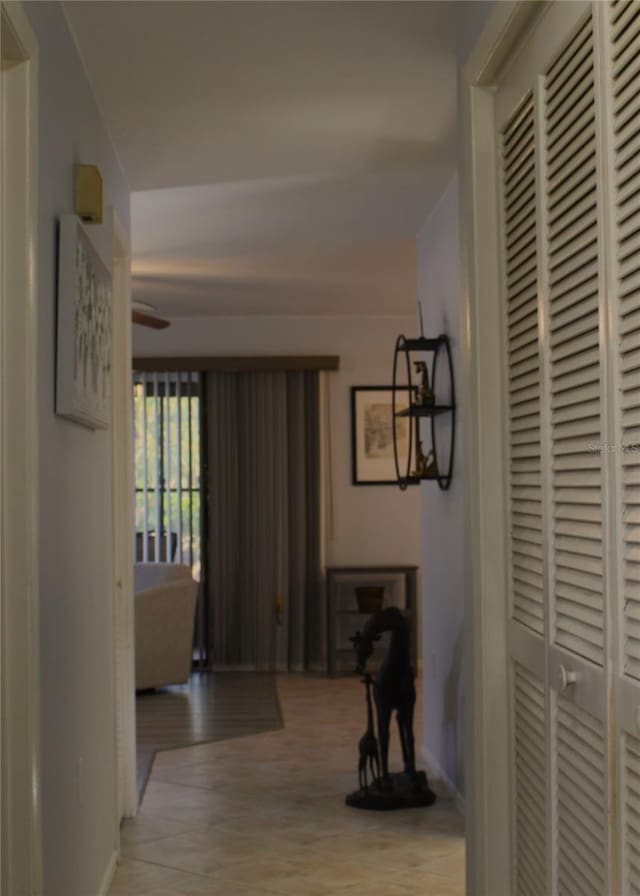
[264, 815]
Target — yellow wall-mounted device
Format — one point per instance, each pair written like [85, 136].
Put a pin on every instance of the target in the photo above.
[88, 193]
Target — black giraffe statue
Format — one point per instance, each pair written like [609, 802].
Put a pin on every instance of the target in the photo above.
[394, 689]
[368, 745]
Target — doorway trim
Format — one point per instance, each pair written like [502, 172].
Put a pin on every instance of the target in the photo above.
[123, 529]
[488, 761]
[20, 778]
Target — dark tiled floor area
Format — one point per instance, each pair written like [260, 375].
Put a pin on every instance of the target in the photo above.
[213, 706]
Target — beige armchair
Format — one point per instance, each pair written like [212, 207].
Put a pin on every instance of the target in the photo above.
[165, 603]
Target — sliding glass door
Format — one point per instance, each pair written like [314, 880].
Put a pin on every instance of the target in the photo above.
[169, 480]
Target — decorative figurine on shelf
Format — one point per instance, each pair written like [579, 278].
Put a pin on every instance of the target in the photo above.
[421, 460]
[431, 468]
[423, 393]
[425, 466]
[394, 689]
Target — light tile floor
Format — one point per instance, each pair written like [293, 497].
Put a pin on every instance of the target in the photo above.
[264, 815]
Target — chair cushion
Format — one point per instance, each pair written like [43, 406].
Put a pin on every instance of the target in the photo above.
[150, 575]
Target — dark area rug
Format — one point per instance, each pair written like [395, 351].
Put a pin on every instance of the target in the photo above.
[213, 706]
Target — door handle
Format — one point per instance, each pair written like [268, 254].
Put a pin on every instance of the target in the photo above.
[567, 678]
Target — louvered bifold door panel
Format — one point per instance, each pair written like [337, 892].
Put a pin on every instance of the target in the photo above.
[520, 260]
[571, 209]
[631, 814]
[530, 783]
[581, 802]
[625, 33]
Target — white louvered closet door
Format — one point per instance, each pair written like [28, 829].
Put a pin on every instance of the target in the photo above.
[575, 367]
[553, 293]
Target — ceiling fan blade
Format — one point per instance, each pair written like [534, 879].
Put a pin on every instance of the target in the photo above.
[147, 320]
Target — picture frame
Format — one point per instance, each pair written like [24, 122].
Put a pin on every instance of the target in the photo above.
[372, 458]
[84, 331]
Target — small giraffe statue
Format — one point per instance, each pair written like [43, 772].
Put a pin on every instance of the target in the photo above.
[368, 745]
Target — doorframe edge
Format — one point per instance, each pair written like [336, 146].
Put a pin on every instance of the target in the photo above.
[26, 870]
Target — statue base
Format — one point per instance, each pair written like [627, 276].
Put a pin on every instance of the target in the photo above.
[404, 792]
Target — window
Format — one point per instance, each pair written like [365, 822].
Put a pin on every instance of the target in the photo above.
[167, 408]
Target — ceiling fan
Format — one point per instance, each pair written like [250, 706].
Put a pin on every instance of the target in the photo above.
[140, 316]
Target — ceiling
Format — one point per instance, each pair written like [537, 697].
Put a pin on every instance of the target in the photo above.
[282, 156]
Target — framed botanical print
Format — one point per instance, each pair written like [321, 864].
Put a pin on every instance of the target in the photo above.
[83, 356]
[372, 434]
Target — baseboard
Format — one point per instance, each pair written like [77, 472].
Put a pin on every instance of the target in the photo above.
[436, 772]
[109, 874]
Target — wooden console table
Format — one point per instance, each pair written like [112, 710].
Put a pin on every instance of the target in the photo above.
[340, 654]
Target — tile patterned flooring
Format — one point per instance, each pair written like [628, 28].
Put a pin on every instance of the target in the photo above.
[211, 707]
[264, 815]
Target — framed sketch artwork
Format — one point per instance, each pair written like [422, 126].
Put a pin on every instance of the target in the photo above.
[83, 357]
[372, 434]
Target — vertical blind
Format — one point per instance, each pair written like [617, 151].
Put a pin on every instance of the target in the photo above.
[264, 579]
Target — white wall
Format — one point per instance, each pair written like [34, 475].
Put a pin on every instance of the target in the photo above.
[443, 511]
[470, 19]
[371, 524]
[444, 545]
[78, 720]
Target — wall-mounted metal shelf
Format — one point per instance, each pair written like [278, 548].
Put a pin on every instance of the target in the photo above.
[419, 410]
[441, 406]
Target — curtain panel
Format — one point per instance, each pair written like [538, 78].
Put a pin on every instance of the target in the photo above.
[265, 586]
